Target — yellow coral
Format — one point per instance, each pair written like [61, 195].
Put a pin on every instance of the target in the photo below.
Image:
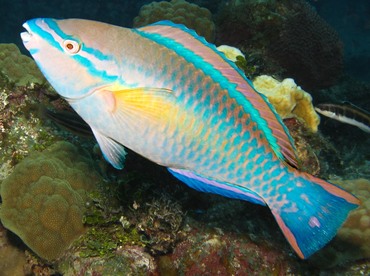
[181, 12]
[230, 52]
[19, 68]
[43, 199]
[288, 99]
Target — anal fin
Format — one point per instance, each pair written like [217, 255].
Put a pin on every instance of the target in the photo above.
[203, 184]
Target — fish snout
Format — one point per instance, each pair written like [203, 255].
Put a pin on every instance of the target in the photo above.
[26, 36]
[33, 27]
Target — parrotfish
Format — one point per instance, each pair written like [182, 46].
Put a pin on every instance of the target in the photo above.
[170, 96]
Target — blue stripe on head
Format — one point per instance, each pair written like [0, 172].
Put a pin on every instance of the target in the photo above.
[92, 69]
[43, 33]
[34, 51]
[97, 53]
[52, 24]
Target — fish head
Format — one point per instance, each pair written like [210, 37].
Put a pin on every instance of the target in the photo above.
[71, 53]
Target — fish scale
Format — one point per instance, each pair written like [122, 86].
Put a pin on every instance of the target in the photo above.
[164, 92]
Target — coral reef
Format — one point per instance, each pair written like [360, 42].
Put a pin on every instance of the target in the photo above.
[239, 23]
[288, 99]
[43, 199]
[308, 48]
[250, 26]
[219, 254]
[127, 260]
[357, 227]
[306, 144]
[20, 69]
[22, 130]
[245, 63]
[108, 228]
[288, 34]
[12, 259]
[181, 12]
[161, 225]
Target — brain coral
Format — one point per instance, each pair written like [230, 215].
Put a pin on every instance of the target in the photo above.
[19, 68]
[290, 38]
[356, 230]
[288, 99]
[308, 48]
[43, 199]
[181, 12]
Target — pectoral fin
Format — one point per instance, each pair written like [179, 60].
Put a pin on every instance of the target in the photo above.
[131, 109]
[143, 103]
[113, 152]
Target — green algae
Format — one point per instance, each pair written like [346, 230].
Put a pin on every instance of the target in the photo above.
[247, 65]
[106, 232]
[104, 241]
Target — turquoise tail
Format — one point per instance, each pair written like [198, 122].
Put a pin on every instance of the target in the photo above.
[309, 211]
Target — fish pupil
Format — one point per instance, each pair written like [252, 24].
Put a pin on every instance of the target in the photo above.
[71, 46]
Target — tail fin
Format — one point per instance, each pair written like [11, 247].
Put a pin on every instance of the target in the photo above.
[309, 211]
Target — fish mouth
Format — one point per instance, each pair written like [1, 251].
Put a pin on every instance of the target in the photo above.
[26, 36]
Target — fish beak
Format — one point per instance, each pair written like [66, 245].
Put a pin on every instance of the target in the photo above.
[26, 36]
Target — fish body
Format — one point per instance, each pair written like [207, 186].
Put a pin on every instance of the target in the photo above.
[346, 113]
[167, 94]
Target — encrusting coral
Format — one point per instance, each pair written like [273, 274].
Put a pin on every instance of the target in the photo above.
[288, 99]
[20, 69]
[356, 230]
[22, 129]
[181, 12]
[43, 199]
[230, 52]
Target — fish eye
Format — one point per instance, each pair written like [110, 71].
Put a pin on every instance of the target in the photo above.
[71, 46]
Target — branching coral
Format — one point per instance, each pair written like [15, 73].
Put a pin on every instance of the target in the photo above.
[181, 12]
[43, 199]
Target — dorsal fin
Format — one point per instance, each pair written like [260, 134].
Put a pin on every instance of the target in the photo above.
[214, 63]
